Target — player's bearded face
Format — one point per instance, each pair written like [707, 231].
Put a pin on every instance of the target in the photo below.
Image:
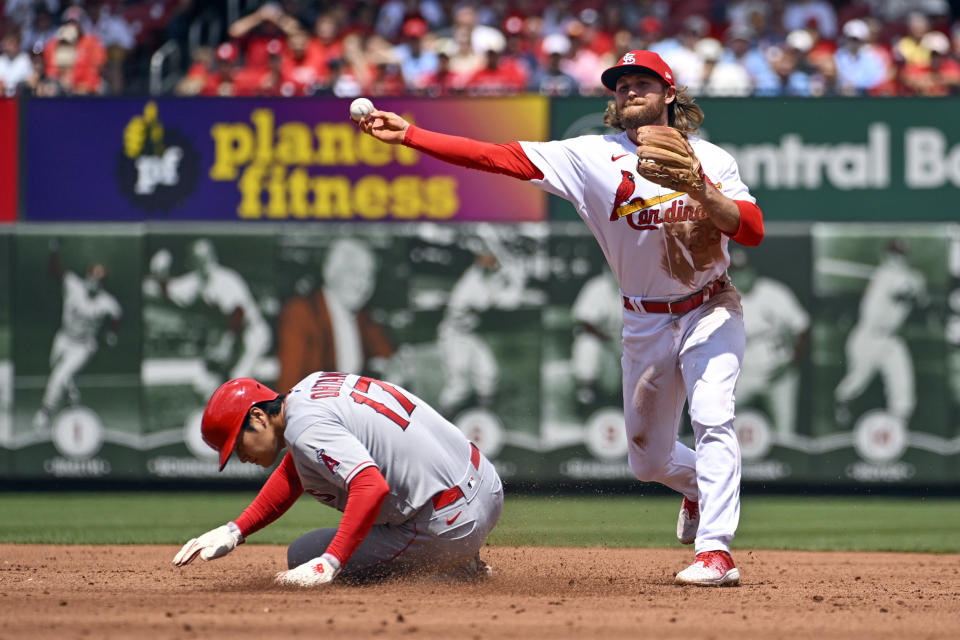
[641, 100]
[642, 111]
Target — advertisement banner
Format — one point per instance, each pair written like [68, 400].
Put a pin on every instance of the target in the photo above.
[9, 148]
[243, 159]
[828, 159]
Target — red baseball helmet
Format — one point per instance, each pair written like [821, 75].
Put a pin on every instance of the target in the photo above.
[634, 62]
[226, 411]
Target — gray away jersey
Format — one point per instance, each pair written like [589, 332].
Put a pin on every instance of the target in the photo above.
[339, 424]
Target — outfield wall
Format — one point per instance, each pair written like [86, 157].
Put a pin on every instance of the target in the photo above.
[852, 374]
[508, 358]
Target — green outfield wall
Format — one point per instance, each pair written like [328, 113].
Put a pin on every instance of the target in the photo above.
[851, 376]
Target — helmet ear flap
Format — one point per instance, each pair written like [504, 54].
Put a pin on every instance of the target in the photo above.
[227, 410]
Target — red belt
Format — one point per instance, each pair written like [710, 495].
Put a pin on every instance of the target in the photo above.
[682, 305]
[453, 494]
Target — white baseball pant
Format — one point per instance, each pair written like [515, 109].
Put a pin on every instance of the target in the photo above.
[695, 357]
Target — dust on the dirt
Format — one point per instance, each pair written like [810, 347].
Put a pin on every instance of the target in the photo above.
[536, 592]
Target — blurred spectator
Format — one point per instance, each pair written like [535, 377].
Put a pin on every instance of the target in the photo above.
[551, 80]
[385, 75]
[39, 83]
[267, 27]
[521, 47]
[740, 50]
[23, 12]
[74, 57]
[941, 76]
[211, 73]
[800, 13]
[497, 77]
[444, 81]
[859, 68]
[582, 63]
[352, 74]
[118, 38]
[480, 37]
[464, 58]
[721, 77]
[325, 45]
[302, 74]
[395, 14]
[39, 31]
[895, 10]
[819, 60]
[791, 80]
[198, 74]
[416, 62]
[909, 48]
[679, 53]
[740, 13]
[594, 37]
[15, 66]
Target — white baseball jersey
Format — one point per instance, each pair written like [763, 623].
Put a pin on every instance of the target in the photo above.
[659, 243]
[599, 305]
[772, 319]
[480, 289]
[223, 289]
[84, 312]
[340, 424]
[893, 288]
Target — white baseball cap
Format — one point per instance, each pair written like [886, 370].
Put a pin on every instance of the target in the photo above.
[856, 29]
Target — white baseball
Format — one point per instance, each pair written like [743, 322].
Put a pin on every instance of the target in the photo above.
[359, 108]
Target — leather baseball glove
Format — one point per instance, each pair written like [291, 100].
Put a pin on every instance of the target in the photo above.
[667, 159]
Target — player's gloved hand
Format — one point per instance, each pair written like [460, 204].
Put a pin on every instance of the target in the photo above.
[667, 159]
[212, 544]
[312, 573]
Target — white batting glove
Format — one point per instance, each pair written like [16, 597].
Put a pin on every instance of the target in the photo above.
[211, 545]
[312, 573]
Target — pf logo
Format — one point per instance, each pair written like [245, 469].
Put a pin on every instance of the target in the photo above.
[629, 58]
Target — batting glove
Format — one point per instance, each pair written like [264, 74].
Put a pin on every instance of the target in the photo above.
[312, 573]
[211, 545]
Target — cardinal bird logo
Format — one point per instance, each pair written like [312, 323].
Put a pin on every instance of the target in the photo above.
[624, 192]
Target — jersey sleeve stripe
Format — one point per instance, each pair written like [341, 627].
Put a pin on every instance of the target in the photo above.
[357, 469]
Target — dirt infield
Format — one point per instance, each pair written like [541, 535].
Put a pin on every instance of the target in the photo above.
[134, 592]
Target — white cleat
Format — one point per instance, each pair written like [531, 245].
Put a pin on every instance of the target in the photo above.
[711, 569]
[688, 521]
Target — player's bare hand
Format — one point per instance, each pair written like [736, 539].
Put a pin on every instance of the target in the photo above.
[313, 573]
[384, 125]
[213, 544]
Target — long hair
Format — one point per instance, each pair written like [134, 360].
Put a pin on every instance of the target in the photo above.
[682, 114]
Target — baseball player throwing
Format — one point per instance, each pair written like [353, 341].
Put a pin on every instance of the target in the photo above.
[415, 494]
[663, 204]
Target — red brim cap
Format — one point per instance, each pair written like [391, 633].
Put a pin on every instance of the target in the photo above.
[638, 62]
[226, 411]
[228, 448]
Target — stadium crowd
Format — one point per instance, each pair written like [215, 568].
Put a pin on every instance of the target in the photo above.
[443, 47]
